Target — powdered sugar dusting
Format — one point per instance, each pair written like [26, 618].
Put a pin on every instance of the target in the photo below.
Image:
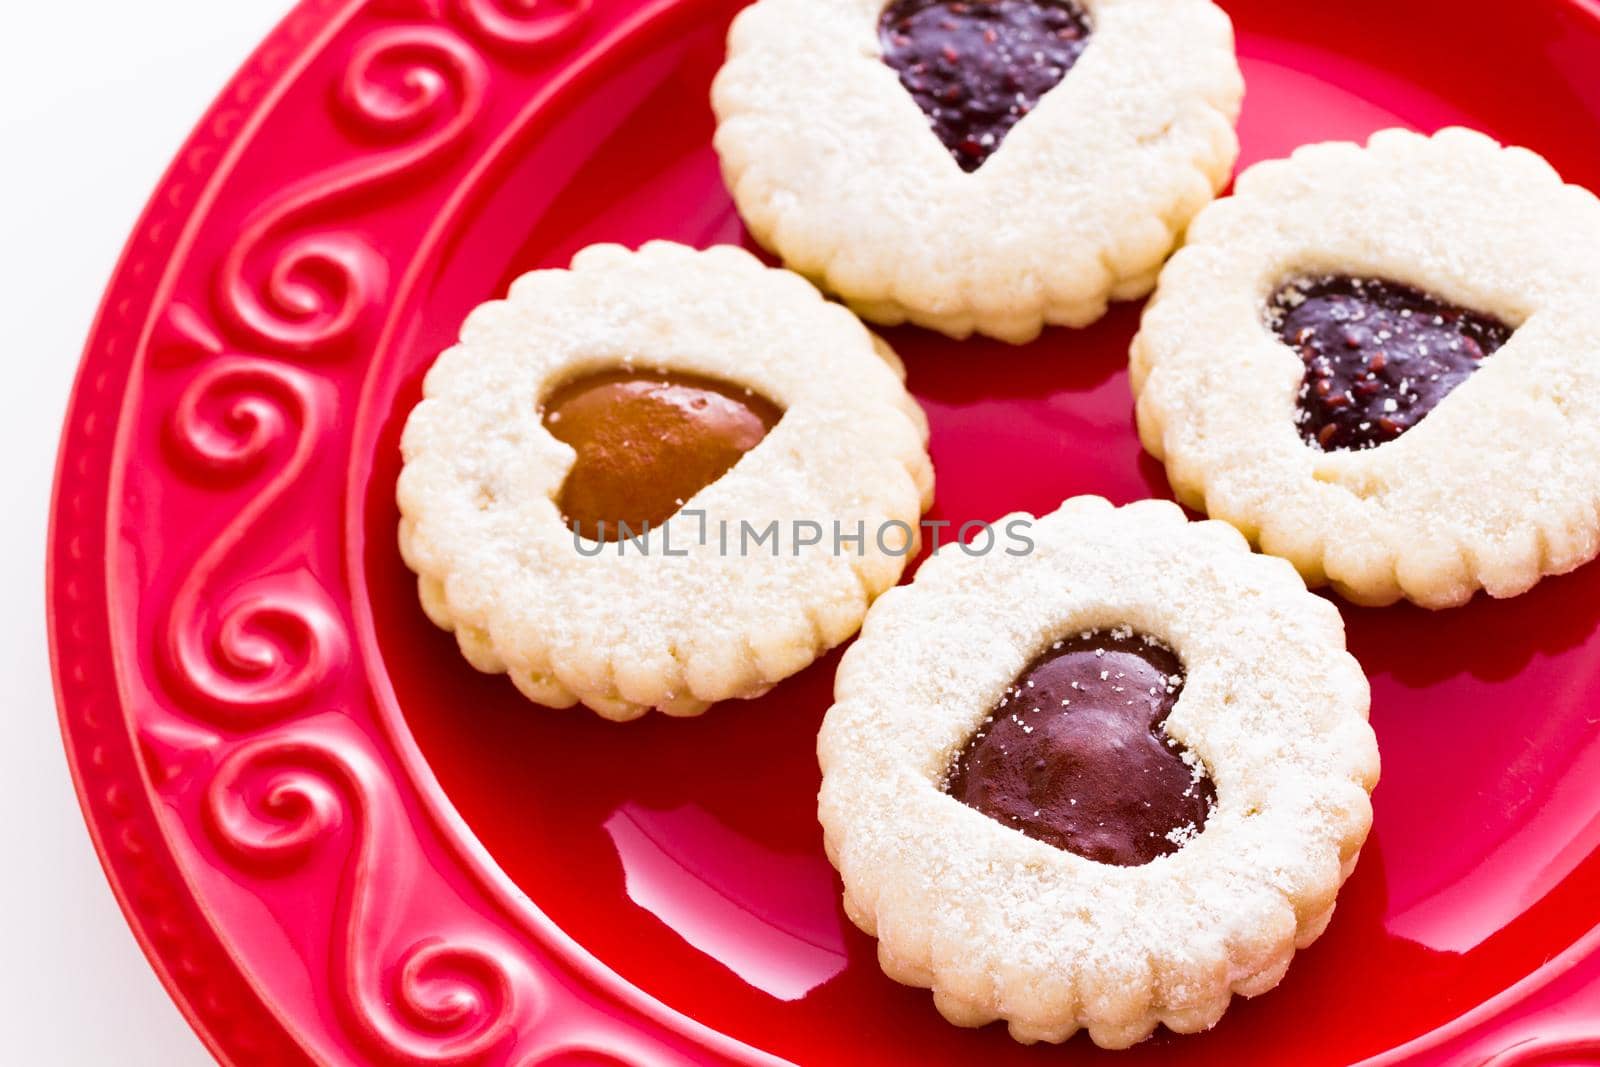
[625, 633]
[1008, 927]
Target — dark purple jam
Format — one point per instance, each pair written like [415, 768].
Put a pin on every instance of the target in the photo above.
[976, 67]
[1379, 355]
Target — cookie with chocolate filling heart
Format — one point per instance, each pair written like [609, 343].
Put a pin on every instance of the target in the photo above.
[1105, 785]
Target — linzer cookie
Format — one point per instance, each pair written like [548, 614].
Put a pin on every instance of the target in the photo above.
[1105, 785]
[1377, 363]
[659, 479]
[977, 165]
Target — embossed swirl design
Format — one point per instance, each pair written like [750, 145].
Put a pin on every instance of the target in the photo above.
[271, 805]
[524, 25]
[421, 85]
[251, 641]
[267, 647]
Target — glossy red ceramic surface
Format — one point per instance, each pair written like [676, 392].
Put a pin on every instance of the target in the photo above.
[338, 843]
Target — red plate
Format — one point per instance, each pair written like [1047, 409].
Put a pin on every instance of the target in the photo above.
[337, 842]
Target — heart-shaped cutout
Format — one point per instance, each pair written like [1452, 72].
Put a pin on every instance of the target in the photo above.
[647, 443]
[1379, 355]
[1075, 753]
[976, 67]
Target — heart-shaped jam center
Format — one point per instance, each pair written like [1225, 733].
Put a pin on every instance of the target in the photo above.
[646, 443]
[1379, 355]
[976, 67]
[1075, 754]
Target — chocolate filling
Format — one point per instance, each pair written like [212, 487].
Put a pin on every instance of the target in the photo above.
[1379, 355]
[976, 67]
[646, 443]
[1075, 753]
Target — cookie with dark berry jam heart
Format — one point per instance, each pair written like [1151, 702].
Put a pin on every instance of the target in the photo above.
[991, 166]
[1378, 362]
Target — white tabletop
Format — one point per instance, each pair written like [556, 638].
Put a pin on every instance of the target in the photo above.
[95, 98]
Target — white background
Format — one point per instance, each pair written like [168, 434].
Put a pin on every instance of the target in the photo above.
[95, 98]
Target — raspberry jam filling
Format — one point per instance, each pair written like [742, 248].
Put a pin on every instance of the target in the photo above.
[1075, 754]
[976, 67]
[1379, 355]
[646, 443]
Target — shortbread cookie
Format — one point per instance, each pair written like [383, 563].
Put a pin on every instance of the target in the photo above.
[992, 165]
[756, 440]
[1105, 785]
[1379, 363]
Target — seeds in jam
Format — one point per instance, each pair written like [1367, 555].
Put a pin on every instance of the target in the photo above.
[1076, 755]
[976, 67]
[1379, 355]
[646, 443]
